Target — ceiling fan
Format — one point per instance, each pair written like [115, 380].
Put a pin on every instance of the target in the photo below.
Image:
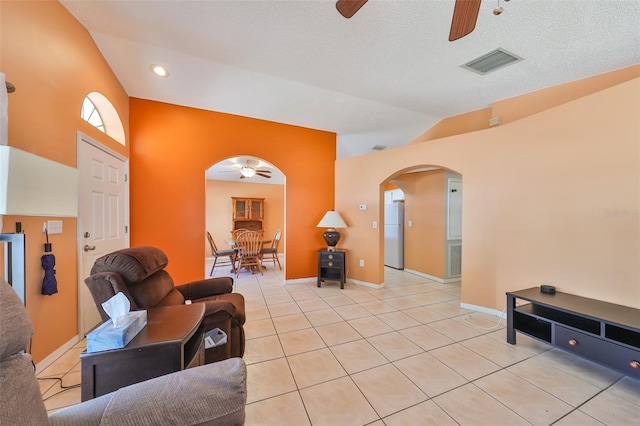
[250, 169]
[465, 15]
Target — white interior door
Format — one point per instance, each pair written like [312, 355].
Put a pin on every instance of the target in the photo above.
[102, 217]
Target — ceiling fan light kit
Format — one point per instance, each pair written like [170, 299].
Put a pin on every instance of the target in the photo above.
[250, 169]
[247, 171]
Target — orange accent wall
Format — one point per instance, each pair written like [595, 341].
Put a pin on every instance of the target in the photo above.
[219, 209]
[172, 146]
[552, 198]
[54, 63]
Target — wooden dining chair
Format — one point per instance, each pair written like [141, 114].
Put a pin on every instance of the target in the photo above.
[270, 254]
[249, 245]
[216, 254]
[236, 232]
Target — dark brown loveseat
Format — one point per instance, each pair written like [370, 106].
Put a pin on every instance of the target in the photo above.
[139, 273]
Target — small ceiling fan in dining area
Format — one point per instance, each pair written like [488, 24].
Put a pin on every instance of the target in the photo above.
[249, 168]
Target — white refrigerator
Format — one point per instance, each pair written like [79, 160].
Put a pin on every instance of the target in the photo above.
[394, 234]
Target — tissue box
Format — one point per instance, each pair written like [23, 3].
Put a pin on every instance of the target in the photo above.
[106, 336]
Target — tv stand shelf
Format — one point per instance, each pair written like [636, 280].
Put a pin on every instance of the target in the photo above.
[600, 331]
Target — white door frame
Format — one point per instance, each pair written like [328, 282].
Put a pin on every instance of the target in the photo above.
[80, 139]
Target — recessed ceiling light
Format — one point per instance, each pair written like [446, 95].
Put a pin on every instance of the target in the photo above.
[159, 70]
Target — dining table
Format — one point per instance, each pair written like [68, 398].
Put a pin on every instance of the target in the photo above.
[232, 243]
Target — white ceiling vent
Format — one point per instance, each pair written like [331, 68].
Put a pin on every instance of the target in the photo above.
[491, 61]
[379, 147]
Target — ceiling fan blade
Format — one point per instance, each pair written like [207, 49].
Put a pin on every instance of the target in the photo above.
[263, 171]
[465, 15]
[348, 8]
[263, 175]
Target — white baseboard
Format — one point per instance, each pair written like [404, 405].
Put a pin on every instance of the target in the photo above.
[300, 280]
[56, 354]
[423, 275]
[349, 280]
[495, 312]
[433, 278]
[366, 284]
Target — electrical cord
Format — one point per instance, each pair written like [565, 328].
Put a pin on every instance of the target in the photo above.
[59, 379]
[493, 326]
[487, 328]
[64, 389]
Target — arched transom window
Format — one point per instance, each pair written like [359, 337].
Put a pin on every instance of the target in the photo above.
[91, 115]
[98, 111]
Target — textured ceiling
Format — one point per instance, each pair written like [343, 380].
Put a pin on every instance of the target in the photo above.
[380, 78]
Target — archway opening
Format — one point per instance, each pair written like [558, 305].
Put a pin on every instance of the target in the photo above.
[259, 187]
[422, 223]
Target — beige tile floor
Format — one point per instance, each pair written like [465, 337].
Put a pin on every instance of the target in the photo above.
[406, 354]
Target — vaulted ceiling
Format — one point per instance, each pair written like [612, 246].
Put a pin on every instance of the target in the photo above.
[380, 78]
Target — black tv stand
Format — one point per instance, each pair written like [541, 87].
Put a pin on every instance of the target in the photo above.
[600, 331]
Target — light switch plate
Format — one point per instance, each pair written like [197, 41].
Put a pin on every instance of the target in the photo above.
[375, 224]
[54, 227]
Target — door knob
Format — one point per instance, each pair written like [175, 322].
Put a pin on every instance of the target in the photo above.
[88, 247]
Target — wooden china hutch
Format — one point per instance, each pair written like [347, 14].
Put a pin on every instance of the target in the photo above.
[248, 213]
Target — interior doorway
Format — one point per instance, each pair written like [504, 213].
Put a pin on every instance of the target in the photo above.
[393, 225]
[431, 205]
[229, 185]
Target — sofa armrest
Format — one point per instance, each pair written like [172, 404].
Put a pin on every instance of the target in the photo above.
[205, 288]
[212, 394]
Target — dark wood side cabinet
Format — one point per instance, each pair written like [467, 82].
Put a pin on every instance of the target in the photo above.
[332, 266]
[172, 340]
[600, 331]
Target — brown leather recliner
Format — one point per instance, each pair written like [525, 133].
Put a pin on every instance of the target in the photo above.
[138, 272]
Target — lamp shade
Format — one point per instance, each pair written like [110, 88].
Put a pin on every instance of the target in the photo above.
[332, 219]
[35, 186]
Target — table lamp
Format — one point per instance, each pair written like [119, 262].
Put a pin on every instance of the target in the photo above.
[331, 220]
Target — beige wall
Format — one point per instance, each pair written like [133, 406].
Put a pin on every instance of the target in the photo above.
[551, 198]
[219, 209]
[424, 242]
